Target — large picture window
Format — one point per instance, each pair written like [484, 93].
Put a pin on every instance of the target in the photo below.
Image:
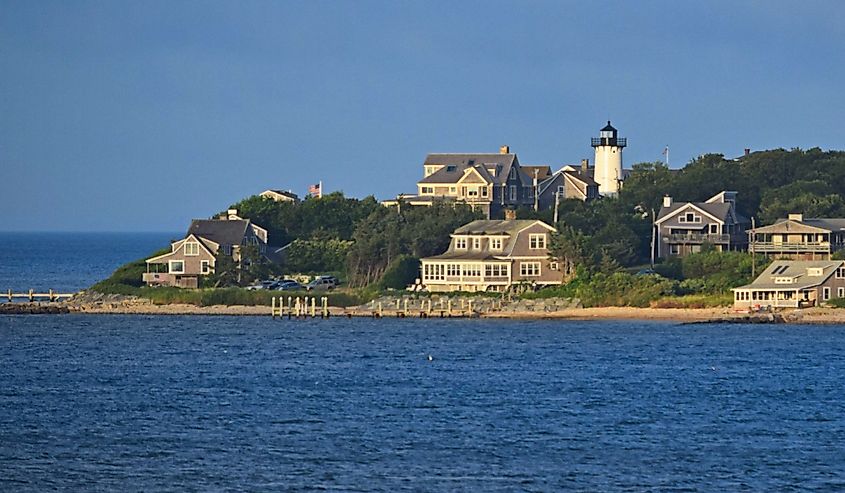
[176, 267]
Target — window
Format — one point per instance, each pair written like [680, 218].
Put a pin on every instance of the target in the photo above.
[495, 270]
[192, 249]
[537, 241]
[227, 250]
[495, 243]
[529, 269]
[513, 192]
[714, 228]
[561, 190]
[427, 190]
[840, 273]
[674, 250]
[483, 191]
[204, 267]
[460, 243]
[472, 270]
[513, 173]
[433, 272]
[453, 270]
[476, 243]
[451, 168]
[825, 293]
[472, 192]
[453, 189]
[176, 267]
[553, 266]
[840, 292]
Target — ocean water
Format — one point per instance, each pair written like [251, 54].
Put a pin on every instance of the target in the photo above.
[68, 262]
[151, 403]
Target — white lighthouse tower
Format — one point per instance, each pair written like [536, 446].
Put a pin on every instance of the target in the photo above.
[608, 160]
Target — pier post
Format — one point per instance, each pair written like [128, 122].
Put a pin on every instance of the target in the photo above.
[290, 307]
[449, 306]
[313, 306]
[10, 296]
[31, 295]
[51, 296]
[273, 307]
[406, 307]
[380, 311]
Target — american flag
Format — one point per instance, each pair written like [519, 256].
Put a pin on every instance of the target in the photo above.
[316, 190]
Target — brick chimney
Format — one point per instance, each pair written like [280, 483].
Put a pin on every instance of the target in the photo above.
[747, 151]
[585, 166]
[510, 214]
[505, 150]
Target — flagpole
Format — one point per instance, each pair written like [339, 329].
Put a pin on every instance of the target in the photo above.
[321, 189]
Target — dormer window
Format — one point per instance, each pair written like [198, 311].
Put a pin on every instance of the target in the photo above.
[513, 173]
[814, 271]
[537, 241]
[496, 244]
[476, 243]
[460, 243]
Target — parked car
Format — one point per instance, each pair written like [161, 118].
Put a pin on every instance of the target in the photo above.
[289, 285]
[322, 283]
[268, 284]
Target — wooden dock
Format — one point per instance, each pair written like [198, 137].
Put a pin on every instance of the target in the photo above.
[305, 307]
[31, 296]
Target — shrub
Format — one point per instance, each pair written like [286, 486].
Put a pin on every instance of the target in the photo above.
[400, 273]
[616, 289]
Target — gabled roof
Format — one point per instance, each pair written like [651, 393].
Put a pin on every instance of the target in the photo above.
[229, 232]
[793, 226]
[544, 171]
[718, 211]
[497, 226]
[579, 179]
[797, 270]
[455, 164]
[285, 193]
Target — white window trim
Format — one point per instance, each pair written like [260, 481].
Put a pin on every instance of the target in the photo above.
[461, 243]
[195, 247]
[536, 269]
[825, 293]
[205, 267]
[496, 244]
[476, 243]
[539, 238]
[170, 267]
[840, 292]
[513, 192]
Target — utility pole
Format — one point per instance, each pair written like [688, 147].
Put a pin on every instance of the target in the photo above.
[753, 251]
[557, 199]
[653, 233]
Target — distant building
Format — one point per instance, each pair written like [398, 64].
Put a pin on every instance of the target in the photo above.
[492, 255]
[195, 255]
[684, 227]
[280, 195]
[794, 284]
[493, 183]
[799, 238]
[490, 183]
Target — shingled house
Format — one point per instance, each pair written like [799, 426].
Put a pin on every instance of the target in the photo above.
[794, 284]
[799, 238]
[490, 183]
[684, 227]
[568, 182]
[194, 256]
[492, 255]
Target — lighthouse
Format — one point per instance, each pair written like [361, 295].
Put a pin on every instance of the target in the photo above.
[608, 171]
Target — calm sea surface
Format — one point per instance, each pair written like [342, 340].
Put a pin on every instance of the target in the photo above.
[244, 404]
[68, 262]
[140, 403]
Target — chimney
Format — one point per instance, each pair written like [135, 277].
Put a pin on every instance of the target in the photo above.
[796, 217]
[667, 201]
[510, 214]
[505, 150]
[585, 166]
[232, 213]
[747, 151]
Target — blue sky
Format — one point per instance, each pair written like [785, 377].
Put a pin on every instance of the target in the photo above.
[118, 116]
